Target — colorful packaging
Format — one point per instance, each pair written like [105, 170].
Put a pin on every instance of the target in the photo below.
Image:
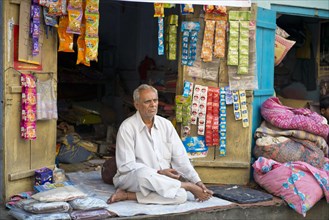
[42, 176]
[195, 146]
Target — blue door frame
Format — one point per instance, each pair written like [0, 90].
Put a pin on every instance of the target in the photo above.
[265, 35]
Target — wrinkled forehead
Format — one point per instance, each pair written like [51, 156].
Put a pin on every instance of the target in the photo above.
[147, 94]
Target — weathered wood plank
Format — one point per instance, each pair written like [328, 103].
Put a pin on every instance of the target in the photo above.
[25, 174]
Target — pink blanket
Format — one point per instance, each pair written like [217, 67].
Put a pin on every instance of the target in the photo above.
[298, 183]
[285, 117]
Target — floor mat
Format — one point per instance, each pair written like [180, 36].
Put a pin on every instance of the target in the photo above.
[92, 184]
[240, 194]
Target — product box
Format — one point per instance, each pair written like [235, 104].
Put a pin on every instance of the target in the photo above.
[43, 175]
[195, 146]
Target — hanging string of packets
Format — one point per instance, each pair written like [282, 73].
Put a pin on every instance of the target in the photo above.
[240, 107]
[212, 119]
[35, 27]
[189, 42]
[171, 36]
[222, 125]
[159, 13]
[214, 34]
[238, 42]
[29, 102]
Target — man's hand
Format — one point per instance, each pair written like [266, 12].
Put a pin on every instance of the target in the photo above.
[172, 173]
[205, 189]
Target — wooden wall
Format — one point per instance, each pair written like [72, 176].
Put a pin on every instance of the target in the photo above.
[22, 157]
[234, 168]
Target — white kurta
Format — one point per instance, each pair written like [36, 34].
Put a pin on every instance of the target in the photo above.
[140, 154]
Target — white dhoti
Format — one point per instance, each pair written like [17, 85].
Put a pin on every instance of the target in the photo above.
[151, 187]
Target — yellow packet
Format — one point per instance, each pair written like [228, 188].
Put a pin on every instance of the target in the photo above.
[92, 23]
[92, 6]
[65, 39]
[77, 4]
[158, 10]
[91, 48]
[75, 18]
[82, 51]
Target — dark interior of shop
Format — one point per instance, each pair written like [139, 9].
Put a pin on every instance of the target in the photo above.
[95, 100]
[296, 77]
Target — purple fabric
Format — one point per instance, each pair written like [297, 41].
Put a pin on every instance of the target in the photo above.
[286, 117]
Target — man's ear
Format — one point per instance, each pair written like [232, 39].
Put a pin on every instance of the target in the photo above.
[322, 111]
[136, 105]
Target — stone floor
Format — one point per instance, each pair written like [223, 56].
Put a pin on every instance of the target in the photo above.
[277, 210]
[269, 210]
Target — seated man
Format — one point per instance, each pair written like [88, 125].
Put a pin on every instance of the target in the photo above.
[324, 107]
[151, 158]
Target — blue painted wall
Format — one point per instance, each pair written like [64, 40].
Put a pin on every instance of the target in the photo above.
[320, 4]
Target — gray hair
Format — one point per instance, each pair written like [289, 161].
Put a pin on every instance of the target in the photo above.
[140, 88]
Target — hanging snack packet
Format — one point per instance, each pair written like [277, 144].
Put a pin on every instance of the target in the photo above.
[169, 5]
[208, 39]
[75, 4]
[187, 9]
[220, 39]
[81, 45]
[92, 22]
[160, 36]
[92, 6]
[91, 48]
[158, 10]
[50, 20]
[215, 9]
[44, 3]
[82, 51]
[75, 17]
[65, 39]
[55, 8]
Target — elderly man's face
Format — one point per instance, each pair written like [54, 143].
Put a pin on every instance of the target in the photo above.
[147, 105]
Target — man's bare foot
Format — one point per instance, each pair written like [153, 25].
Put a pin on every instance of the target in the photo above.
[197, 191]
[119, 195]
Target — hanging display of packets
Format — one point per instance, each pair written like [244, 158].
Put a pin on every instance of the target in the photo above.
[75, 14]
[65, 39]
[212, 119]
[220, 39]
[228, 95]
[244, 48]
[91, 15]
[35, 26]
[29, 101]
[233, 44]
[236, 105]
[183, 112]
[160, 36]
[189, 42]
[222, 126]
[195, 104]
[81, 46]
[238, 51]
[244, 109]
[202, 110]
[188, 88]
[208, 40]
[159, 13]
[187, 9]
[171, 36]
